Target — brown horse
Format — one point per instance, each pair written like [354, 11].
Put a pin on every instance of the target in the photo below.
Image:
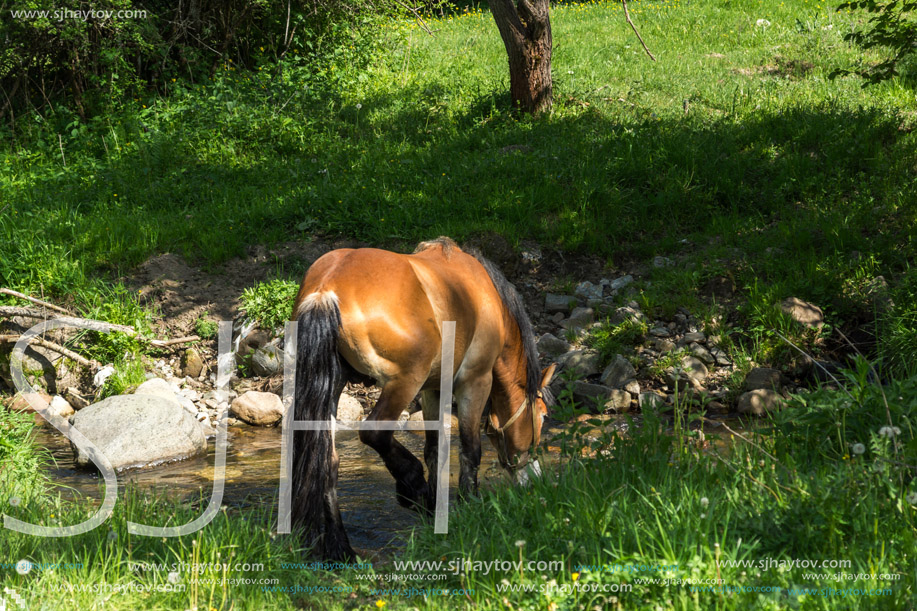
[373, 314]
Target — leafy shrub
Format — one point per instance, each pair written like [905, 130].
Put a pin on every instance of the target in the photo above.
[892, 27]
[270, 303]
[51, 52]
[205, 328]
[610, 339]
[854, 421]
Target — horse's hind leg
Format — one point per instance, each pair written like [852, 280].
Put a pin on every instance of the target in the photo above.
[410, 486]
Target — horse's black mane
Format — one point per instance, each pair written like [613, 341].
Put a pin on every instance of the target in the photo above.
[513, 303]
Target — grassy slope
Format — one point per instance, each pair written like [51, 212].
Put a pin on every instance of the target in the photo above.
[769, 154]
[807, 164]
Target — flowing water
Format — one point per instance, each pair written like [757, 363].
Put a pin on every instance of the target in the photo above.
[366, 490]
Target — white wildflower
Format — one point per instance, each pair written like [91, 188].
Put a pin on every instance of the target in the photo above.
[23, 567]
[912, 498]
[762, 23]
[858, 448]
[889, 431]
[704, 501]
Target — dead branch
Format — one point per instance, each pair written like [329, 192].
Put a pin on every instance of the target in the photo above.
[634, 28]
[84, 323]
[13, 293]
[164, 343]
[55, 348]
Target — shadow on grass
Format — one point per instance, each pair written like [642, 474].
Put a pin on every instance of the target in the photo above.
[812, 184]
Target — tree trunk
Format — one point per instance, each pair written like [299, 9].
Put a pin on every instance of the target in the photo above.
[526, 31]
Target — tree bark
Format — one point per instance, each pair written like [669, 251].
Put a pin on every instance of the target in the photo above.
[526, 31]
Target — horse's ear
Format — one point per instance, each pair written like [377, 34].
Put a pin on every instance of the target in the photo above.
[547, 374]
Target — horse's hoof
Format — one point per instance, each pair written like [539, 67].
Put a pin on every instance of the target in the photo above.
[413, 499]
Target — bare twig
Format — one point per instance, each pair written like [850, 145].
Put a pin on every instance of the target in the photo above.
[60, 141]
[54, 347]
[286, 31]
[164, 343]
[417, 15]
[13, 293]
[744, 438]
[640, 38]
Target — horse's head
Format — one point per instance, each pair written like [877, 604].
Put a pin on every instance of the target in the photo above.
[520, 433]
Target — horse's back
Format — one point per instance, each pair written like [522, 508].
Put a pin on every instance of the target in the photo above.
[392, 306]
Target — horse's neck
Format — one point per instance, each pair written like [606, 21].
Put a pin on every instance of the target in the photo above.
[509, 375]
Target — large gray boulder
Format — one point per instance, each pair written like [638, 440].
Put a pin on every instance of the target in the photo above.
[618, 372]
[759, 402]
[138, 431]
[583, 363]
[157, 387]
[764, 377]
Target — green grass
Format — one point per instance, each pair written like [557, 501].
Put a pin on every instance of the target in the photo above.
[611, 339]
[735, 140]
[654, 499]
[649, 498]
[734, 154]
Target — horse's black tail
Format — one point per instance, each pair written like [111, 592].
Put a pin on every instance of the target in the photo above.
[319, 382]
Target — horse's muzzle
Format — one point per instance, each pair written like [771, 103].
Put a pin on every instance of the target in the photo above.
[524, 475]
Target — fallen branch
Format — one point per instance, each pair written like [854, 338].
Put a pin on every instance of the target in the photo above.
[84, 323]
[13, 293]
[37, 341]
[640, 38]
[164, 343]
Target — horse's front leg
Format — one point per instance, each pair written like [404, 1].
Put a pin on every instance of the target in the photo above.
[429, 401]
[471, 399]
[411, 488]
